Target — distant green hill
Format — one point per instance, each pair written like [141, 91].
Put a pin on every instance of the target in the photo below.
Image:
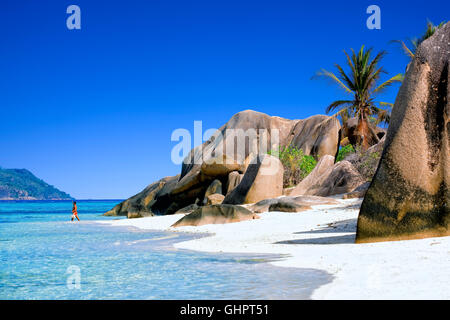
[21, 184]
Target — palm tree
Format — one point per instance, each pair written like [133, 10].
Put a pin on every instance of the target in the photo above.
[415, 42]
[362, 83]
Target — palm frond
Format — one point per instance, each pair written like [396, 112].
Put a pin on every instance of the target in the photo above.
[344, 104]
[344, 113]
[350, 64]
[361, 79]
[383, 116]
[373, 64]
[387, 104]
[373, 77]
[344, 78]
[405, 48]
[430, 30]
[332, 76]
[397, 78]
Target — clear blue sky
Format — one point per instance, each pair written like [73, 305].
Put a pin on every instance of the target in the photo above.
[91, 111]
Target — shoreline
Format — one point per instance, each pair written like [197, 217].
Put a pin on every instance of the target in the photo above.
[323, 238]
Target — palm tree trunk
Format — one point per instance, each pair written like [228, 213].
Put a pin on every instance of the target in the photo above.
[363, 132]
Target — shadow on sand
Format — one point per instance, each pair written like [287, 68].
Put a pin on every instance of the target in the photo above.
[345, 226]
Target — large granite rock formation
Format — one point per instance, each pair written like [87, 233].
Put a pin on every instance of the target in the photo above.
[329, 179]
[141, 204]
[217, 157]
[221, 166]
[409, 196]
[216, 214]
[318, 135]
[263, 179]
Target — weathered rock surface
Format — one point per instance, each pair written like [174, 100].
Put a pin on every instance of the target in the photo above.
[409, 194]
[367, 162]
[217, 157]
[317, 135]
[300, 202]
[329, 179]
[343, 178]
[220, 166]
[216, 214]
[263, 179]
[288, 206]
[359, 192]
[141, 204]
[287, 191]
[214, 188]
[322, 167]
[188, 209]
[215, 198]
[234, 178]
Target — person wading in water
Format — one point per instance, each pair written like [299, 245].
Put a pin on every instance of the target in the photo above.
[74, 211]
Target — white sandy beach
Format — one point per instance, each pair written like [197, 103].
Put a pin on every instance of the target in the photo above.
[323, 238]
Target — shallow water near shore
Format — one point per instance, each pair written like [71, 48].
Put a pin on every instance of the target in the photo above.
[43, 255]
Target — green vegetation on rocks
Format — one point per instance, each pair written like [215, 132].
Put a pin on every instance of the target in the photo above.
[415, 42]
[344, 151]
[296, 164]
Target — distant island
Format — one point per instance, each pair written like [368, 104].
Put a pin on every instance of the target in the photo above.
[21, 184]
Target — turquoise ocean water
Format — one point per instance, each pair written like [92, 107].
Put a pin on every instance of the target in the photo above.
[45, 256]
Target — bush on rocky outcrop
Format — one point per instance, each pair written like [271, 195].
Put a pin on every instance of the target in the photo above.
[296, 164]
[345, 151]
